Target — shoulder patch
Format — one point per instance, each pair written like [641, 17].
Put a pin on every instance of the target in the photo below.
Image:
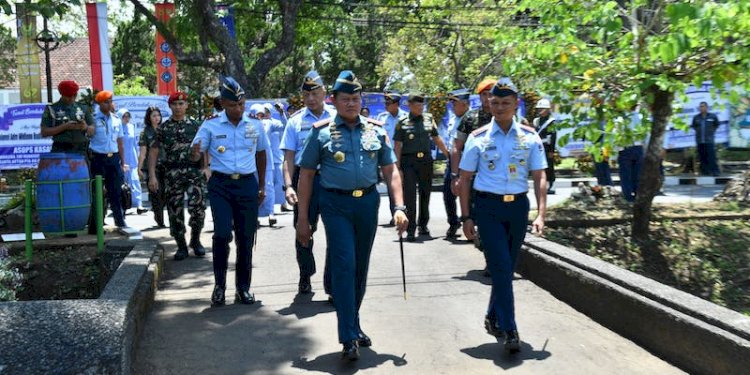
[322, 123]
[481, 130]
[375, 122]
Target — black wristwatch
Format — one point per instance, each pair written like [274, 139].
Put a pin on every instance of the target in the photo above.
[463, 219]
[400, 208]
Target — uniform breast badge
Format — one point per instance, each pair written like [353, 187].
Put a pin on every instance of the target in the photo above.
[339, 157]
[411, 136]
[491, 165]
[221, 149]
[512, 170]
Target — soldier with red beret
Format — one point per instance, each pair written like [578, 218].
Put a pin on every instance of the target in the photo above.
[67, 122]
[183, 175]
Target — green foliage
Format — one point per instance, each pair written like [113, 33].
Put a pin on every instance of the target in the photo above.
[131, 86]
[10, 277]
[609, 56]
[7, 56]
[133, 57]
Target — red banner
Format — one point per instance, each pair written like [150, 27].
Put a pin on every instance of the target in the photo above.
[166, 64]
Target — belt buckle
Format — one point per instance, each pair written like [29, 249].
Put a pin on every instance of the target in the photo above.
[357, 193]
[420, 154]
[509, 198]
[109, 155]
[234, 176]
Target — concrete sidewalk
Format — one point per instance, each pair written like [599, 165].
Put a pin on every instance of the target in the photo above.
[438, 329]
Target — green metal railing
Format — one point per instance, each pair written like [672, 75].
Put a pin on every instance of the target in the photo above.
[98, 205]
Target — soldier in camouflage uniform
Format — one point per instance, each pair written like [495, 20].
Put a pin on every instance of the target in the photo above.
[412, 146]
[182, 175]
[67, 122]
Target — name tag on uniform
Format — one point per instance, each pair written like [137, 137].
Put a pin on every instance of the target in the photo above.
[491, 148]
[221, 136]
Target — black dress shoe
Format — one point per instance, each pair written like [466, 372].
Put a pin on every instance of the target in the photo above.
[390, 224]
[141, 210]
[217, 297]
[350, 351]
[551, 191]
[410, 237]
[364, 340]
[491, 326]
[244, 297]
[304, 285]
[512, 342]
[181, 254]
[452, 231]
[330, 299]
[423, 231]
[272, 221]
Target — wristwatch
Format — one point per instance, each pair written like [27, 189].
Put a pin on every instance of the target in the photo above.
[400, 208]
[454, 175]
[463, 219]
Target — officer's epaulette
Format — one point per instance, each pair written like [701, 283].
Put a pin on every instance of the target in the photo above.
[375, 122]
[322, 123]
[213, 116]
[481, 130]
[297, 112]
[527, 128]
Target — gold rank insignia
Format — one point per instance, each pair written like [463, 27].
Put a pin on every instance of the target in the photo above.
[221, 149]
[491, 166]
[339, 157]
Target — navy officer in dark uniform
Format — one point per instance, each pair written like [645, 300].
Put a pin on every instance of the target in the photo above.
[349, 148]
[237, 147]
[502, 154]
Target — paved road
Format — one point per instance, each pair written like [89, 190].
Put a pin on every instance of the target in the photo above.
[437, 330]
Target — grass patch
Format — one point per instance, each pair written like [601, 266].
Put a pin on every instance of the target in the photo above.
[707, 258]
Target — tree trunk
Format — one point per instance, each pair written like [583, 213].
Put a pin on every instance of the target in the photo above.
[650, 180]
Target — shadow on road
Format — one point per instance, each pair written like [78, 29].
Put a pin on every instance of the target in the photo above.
[333, 364]
[496, 353]
[304, 307]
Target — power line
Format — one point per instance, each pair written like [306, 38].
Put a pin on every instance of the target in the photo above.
[471, 8]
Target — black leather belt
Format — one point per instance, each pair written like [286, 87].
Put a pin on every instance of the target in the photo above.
[233, 176]
[356, 193]
[500, 197]
[107, 155]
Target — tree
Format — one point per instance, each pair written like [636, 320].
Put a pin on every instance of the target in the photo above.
[7, 56]
[607, 56]
[133, 52]
[204, 41]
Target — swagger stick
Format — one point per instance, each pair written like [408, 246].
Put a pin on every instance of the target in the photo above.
[403, 270]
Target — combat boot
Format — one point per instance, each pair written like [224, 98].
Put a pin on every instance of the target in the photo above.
[182, 249]
[195, 243]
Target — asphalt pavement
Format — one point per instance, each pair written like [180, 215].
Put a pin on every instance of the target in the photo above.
[436, 329]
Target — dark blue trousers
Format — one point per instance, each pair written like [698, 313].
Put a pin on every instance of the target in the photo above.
[502, 228]
[234, 204]
[350, 225]
[630, 161]
[448, 198]
[707, 157]
[603, 173]
[109, 168]
[305, 257]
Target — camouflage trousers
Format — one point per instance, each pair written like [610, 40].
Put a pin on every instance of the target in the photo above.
[178, 182]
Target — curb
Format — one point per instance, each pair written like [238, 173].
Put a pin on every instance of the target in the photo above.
[84, 336]
[696, 335]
